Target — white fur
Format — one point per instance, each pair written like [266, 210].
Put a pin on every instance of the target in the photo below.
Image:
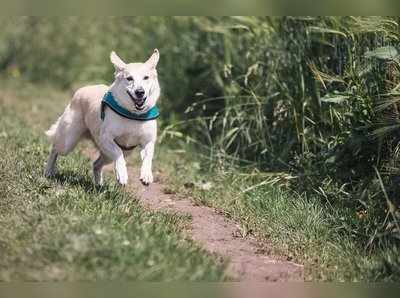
[81, 118]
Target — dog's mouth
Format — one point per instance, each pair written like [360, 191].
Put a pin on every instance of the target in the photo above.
[139, 102]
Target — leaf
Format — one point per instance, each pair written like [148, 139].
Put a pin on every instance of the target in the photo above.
[238, 26]
[231, 132]
[205, 186]
[331, 160]
[326, 30]
[335, 98]
[384, 53]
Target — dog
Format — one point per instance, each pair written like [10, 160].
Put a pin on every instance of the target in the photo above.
[117, 118]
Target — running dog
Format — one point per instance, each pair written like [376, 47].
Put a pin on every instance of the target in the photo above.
[116, 118]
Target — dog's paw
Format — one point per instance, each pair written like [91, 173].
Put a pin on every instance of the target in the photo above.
[49, 173]
[146, 177]
[122, 174]
[98, 177]
[122, 178]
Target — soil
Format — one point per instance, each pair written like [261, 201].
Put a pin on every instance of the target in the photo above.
[248, 259]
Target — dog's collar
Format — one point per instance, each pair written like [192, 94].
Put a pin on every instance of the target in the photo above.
[109, 100]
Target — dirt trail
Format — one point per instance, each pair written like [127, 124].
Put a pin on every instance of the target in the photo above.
[249, 260]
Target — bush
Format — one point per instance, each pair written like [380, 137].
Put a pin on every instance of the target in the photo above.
[315, 96]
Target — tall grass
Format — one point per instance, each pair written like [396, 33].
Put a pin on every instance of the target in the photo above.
[313, 96]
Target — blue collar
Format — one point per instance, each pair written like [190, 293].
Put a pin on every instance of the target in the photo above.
[109, 100]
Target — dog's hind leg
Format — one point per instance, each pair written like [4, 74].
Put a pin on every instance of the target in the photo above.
[98, 165]
[68, 130]
[64, 135]
[51, 163]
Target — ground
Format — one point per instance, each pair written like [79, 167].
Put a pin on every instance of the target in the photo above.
[192, 224]
[64, 229]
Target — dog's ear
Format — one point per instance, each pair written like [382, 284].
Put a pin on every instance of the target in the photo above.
[153, 60]
[117, 62]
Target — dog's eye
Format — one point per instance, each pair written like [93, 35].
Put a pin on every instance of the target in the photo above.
[129, 78]
[146, 78]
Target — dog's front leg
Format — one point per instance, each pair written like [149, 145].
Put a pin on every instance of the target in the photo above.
[146, 175]
[110, 149]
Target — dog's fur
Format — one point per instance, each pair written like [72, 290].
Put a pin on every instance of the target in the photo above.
[81, 118]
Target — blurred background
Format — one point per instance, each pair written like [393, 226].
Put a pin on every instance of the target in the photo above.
[314, 97]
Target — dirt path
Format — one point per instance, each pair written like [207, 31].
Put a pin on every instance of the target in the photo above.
[249, 260]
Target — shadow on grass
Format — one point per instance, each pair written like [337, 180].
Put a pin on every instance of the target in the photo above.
[76, 179]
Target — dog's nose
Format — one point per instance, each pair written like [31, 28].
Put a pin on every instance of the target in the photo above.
[139, 92]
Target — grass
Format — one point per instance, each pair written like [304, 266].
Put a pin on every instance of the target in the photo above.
[64, 229]
[316, 97]
[303, 228]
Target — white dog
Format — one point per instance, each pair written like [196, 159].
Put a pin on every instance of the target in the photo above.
[117, 118]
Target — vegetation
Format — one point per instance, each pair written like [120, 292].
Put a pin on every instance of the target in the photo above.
[300, 226]
[296, 119]
[65, 229]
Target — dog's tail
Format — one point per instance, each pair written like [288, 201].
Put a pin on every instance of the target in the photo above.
[67, 130]
[52, 132]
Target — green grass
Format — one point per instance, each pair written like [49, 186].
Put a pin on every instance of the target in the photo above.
[64, 229]
[316, 97]
[304, 229]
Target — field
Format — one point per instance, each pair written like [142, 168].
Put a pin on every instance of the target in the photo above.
[288, 126]
[65, 229]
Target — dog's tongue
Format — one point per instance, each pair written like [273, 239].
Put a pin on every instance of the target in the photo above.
[140, 102]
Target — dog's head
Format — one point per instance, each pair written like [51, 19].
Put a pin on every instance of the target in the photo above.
[136, 85]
